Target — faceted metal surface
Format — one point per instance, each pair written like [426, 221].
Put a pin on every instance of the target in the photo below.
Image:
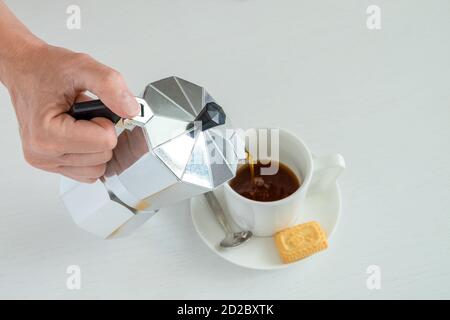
[171, 88]
[162, 105]
[194, 93]
[176, 148]
[135, 171]
[221, 157]
[176, 104]
[175, 153]
[197, 170]
[162, 129]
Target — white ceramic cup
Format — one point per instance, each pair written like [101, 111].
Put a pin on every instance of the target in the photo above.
[316, 173]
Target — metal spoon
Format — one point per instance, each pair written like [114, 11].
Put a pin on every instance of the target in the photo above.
[232, 239]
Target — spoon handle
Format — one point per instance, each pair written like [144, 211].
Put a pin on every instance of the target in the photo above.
[218, 211]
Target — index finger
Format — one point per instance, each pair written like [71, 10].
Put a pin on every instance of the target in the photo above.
[108, 85]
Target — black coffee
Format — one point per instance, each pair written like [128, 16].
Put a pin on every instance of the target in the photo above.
[251, 184]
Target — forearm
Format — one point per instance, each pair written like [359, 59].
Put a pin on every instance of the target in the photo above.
[16, 41]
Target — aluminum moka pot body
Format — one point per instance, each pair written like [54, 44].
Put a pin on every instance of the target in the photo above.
[180, 146]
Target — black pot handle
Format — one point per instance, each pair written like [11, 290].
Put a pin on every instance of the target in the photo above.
[211, 115]
[92, 109]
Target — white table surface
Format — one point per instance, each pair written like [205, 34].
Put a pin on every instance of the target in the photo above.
[381, 98]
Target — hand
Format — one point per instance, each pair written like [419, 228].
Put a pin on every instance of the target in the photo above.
[44, 81]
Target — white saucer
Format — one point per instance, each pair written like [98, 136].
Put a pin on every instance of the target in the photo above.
[260, 252]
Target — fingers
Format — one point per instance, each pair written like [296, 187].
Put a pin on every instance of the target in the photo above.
[85, 159]
[89, 172]
[82, 174]
[67, 135]
[107, 84]
[82, 167]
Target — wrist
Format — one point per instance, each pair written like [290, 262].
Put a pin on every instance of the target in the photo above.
[15, 56]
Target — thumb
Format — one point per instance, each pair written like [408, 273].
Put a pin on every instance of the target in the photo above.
[107, 84]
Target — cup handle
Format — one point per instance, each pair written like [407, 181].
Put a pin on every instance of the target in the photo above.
[326, 171]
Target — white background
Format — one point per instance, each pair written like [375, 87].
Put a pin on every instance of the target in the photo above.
[381, 98]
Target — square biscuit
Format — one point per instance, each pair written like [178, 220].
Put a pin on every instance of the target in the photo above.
[300, 241]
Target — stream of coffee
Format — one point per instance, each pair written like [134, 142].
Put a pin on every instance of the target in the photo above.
[251, 165]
